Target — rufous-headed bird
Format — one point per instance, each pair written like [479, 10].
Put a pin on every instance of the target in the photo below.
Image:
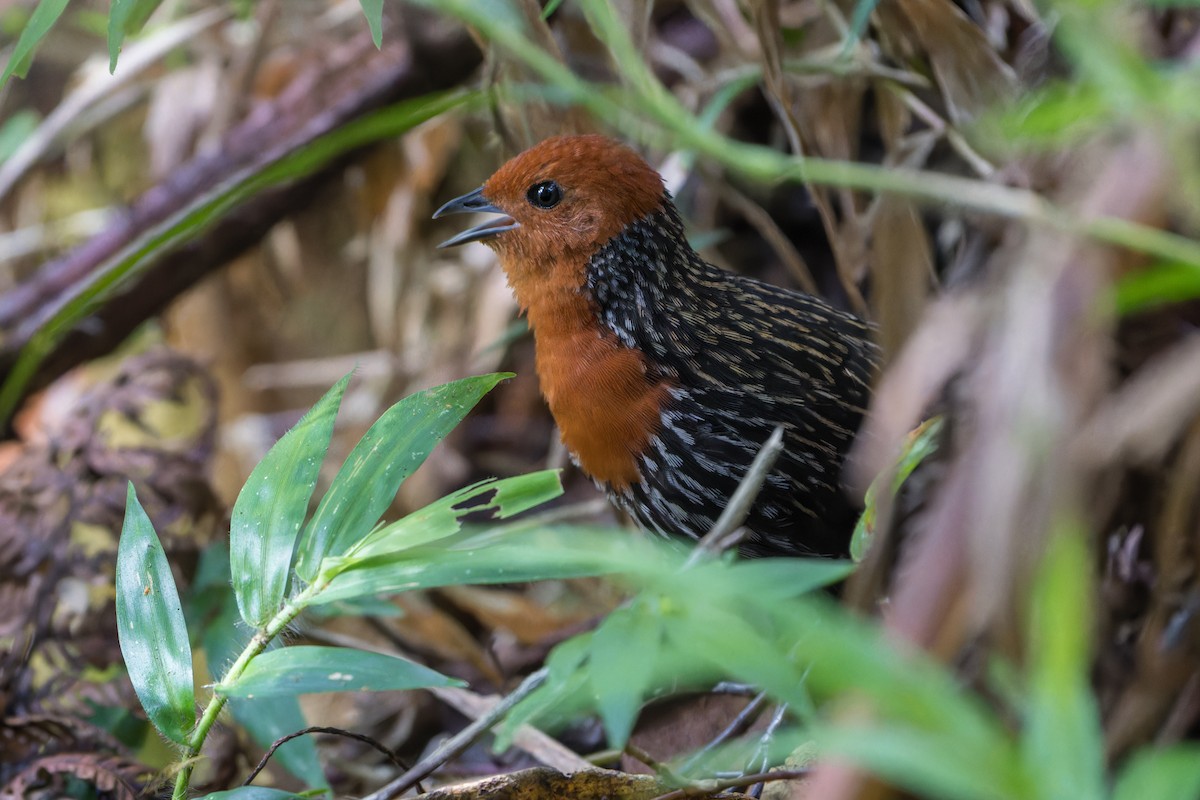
[664, 373]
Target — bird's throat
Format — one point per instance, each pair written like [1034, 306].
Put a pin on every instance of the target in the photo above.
[606, 404]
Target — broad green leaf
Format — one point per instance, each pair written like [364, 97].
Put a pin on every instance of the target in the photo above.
[271, 508]
[253, 793]
[388, 453]
[1062, 743]
[150, 626]
[307, 670]
[40, 22]
[373, 11]
[443, 518]
[194, 219]
[936, 766]
[266, 719]
[1172, 773]
[623, 654]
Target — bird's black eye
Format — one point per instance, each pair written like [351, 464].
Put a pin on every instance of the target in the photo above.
[546, 194]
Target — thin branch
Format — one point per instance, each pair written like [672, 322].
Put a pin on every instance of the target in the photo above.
[739, 505]
[462, 740]
[262, 764]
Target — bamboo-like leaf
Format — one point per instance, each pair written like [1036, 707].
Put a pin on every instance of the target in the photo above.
[388, 453]
[623, 652]
[291, 671]
[1172, 773]
[40, 22]
[1062, 745]
[123, 17]
[373, 11]
[271, 508]
[443, 518]
[150, 626]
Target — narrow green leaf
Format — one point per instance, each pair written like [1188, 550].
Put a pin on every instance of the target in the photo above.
[40, 22]
[623, 653]
[936, 766]
[388, 453]
[373, 11]
[266, 719]
[1156, 285]
[426, 568]
[921, 443]
[443, 518]
[1172, 773]
[272, 506]
[118, 13]
[126, 17]
[1063, 745]
[308, 670]
[150, 626]
[192, 220]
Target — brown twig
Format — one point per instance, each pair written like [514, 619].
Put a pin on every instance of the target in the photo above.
[280, 742]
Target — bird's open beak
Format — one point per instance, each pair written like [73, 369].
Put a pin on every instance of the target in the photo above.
[475, 201]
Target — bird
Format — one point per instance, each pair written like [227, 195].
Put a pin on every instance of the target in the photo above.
[664, 373]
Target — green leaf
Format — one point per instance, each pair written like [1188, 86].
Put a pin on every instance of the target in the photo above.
[373, 11]
[443, 518]
[565, 680]
[623, 652]
[921, 443]
[1062, 745]
[522, 559]
[266, 719]
[40, 22]
[1156, 285]
[150, 626]
[928, 764]
[271, 508]
[1172, 773]
[15, 130]
[125, 17]
[253, 793]
[194, 219]
[307, 670]
[388, 453]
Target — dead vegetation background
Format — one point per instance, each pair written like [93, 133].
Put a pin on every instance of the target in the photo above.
[1062, 412]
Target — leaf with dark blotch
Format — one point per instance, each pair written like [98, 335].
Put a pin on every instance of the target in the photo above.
[386, 455]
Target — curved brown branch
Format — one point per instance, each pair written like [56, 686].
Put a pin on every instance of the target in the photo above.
[352, 81]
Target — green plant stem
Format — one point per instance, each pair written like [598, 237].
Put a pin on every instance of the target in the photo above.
[645, 100]
[258, 643]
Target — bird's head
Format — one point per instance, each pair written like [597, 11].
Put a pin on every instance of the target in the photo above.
[560, 201]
